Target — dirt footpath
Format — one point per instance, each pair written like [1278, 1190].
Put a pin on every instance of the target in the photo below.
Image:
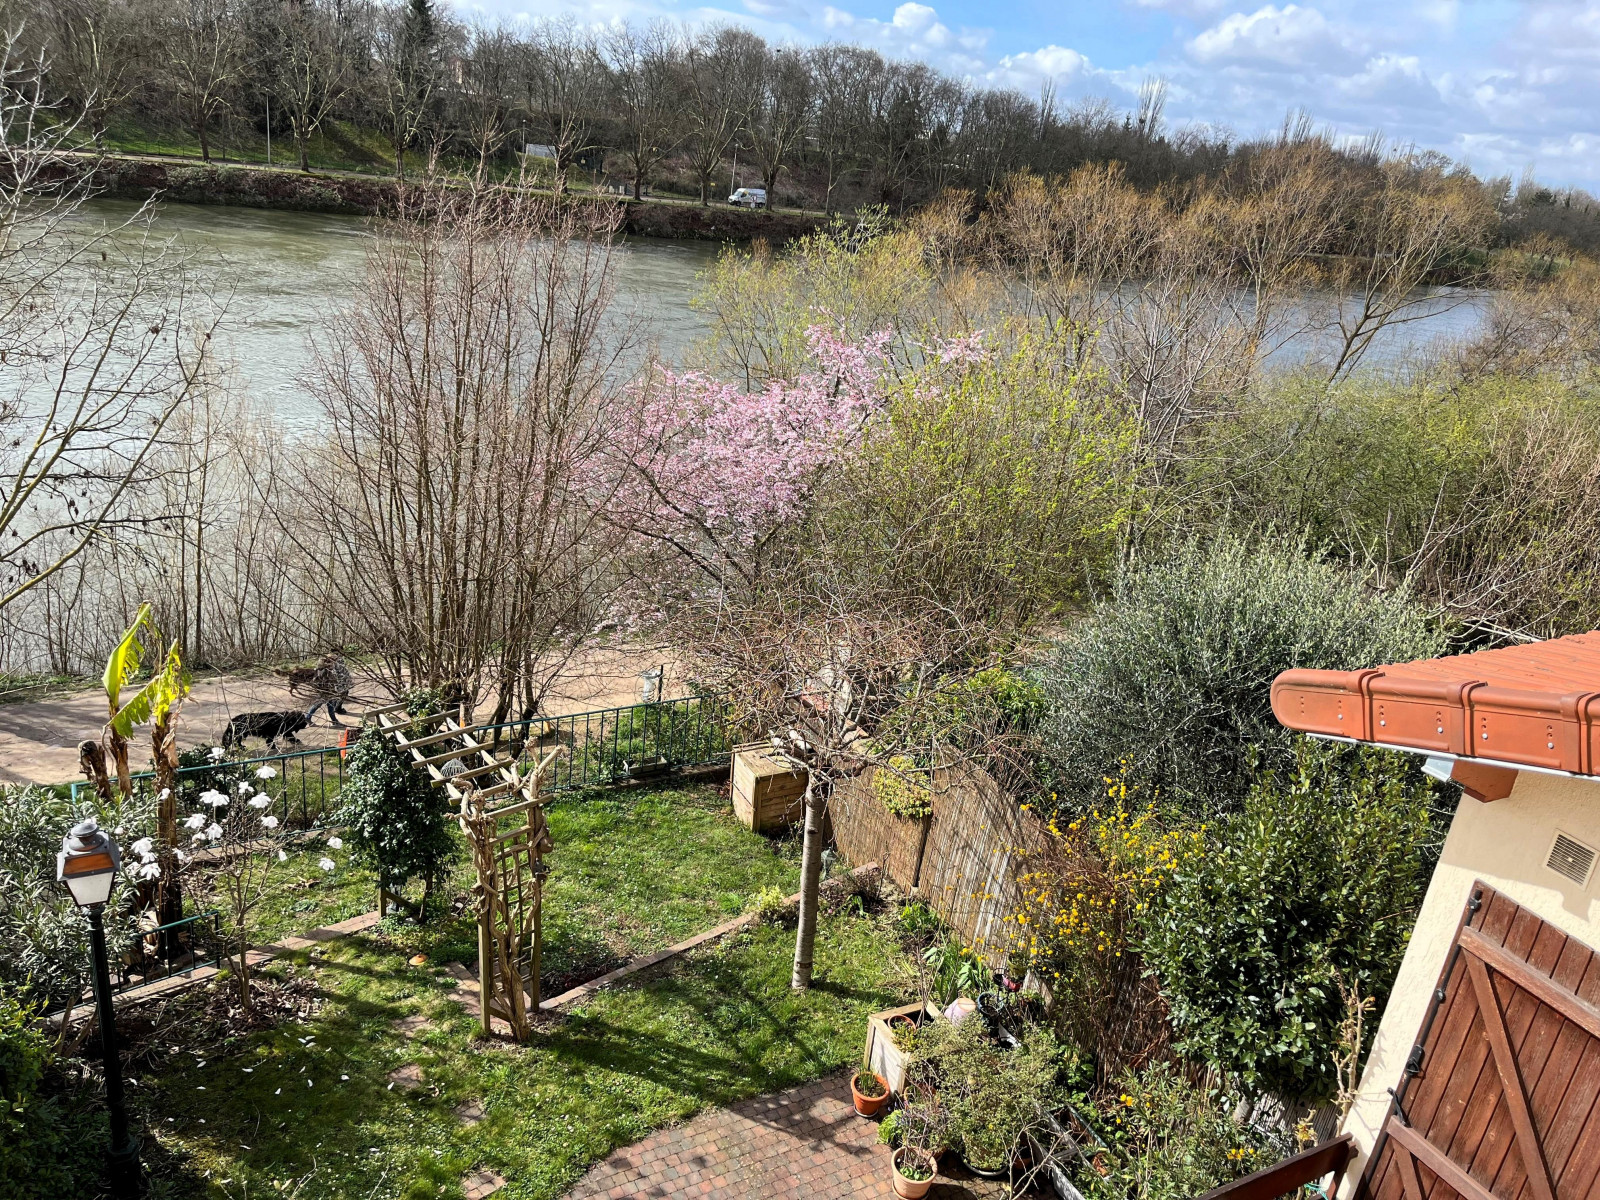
[39, 738]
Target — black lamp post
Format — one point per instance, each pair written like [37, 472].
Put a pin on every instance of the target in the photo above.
[88, 865]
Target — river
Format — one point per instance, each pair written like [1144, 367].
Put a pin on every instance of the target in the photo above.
[277, 275]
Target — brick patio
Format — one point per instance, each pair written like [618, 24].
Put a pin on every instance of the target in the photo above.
[807, 1142]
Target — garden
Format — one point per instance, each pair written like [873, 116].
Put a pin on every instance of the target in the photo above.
[990, 526]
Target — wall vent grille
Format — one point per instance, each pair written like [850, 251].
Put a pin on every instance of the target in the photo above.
[1571, 859]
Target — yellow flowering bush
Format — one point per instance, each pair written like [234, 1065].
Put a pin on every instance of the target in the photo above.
[1081, 891]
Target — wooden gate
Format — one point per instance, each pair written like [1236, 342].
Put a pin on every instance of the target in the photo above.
[1499, 1099]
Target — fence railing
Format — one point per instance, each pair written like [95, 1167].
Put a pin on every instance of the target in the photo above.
[605, 747]
[611, 746]
[165, 952]
[304, 785]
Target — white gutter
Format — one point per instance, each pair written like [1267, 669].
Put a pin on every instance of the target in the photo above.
[1438, 758]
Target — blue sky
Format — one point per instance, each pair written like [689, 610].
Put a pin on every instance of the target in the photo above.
[1507, 87]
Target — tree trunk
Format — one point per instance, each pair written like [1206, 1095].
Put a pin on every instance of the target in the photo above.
[805, 939]
[638, 184]
[169, 891]
[305, 158]
[205, 144]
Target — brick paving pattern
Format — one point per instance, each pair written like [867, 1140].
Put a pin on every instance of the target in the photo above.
[479, 1185]
[804, 1143]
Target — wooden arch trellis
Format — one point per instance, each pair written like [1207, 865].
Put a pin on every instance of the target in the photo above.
[487, 789]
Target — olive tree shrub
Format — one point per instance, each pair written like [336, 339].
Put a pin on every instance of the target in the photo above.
[1304, 896]
[1168, 680]
[44, 941]
[397, 823]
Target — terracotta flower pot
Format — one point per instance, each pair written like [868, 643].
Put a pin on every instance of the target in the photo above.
[869, 1106]
[914, 1189]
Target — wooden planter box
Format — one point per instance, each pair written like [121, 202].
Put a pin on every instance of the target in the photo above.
[768, 787]
[883, 1056]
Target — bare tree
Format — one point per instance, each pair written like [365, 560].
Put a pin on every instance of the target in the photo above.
[483, 98]
[98, 347]
[564, 81]
[723, 78]
[1415, 220]
[317, 47]
[782, 114]
[647, 73]
[204, 47]
[95, 57]
[407, 40]
[468, 393]
[839, 76]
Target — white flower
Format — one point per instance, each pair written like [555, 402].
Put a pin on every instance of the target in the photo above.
[282, 857]
[335, 843]
[265, 772]
[214, 798]
[197, 821]
[260, 801]
[150, 870]
[165, 792]
[213, 831]
[142, 847]
[245, 789]
[183, 859]
[218, 754]
[327, 864]
[199, 837]
[269, 822]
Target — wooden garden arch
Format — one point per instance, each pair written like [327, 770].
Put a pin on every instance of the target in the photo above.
[487, 789]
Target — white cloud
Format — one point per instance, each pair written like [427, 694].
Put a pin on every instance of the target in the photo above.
[1287, 37]
[914, 31]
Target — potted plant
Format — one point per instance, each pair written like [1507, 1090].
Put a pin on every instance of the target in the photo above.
[869, 1091]
[914, 1172]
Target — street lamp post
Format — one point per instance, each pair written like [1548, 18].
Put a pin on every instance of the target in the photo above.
[88, 865]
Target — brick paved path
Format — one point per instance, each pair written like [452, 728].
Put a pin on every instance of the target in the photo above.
[807, 1142]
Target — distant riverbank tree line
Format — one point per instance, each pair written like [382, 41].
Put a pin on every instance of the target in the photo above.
[663, 107]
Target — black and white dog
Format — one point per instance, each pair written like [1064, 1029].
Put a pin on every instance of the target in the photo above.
[269, 725]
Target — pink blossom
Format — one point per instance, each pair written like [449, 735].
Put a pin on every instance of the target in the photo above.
[710, 462]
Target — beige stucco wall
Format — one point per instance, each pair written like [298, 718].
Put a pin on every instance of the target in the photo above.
[1505, 844]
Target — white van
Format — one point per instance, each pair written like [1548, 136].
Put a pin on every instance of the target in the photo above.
[749, 197]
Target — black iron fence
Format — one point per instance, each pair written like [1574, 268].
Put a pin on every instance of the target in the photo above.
[612, 746]
[165, 952]
[603, 748]
[304, 784]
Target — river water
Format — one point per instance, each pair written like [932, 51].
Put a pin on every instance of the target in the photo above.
[277, 276]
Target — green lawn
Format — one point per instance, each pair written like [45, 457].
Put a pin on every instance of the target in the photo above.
[633, 871]
[274, 1114]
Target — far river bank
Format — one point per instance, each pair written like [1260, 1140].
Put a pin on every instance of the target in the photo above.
[126, 177]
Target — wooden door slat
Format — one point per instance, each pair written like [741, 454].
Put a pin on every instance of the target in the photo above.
[1438, 1162]
[1570, 1006]
[1516, 1095]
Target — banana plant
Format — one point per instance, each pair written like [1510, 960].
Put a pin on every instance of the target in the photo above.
[156, 702]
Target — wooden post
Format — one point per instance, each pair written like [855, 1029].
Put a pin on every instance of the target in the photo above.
[485, 974]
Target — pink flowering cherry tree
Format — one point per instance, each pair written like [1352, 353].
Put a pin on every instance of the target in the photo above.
[712, 473]
[713, 477]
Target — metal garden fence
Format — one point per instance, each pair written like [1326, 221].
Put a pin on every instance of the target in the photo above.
[606, 747]
[165, 952]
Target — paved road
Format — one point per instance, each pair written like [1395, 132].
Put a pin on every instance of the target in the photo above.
[39, 738]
